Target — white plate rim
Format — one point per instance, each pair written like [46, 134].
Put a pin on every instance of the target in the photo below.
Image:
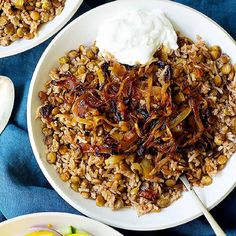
[45, 37]
[40, 163]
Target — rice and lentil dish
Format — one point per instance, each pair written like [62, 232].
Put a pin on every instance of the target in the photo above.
[123, 135]
[23, 18]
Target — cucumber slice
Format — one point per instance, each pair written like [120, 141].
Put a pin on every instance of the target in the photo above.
[73, 229]
[77, 232]
[66, 230]
[80, 233]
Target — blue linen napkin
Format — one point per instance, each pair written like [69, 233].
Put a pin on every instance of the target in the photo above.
[24, 189]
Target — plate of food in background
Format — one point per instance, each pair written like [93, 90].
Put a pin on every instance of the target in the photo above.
[54, 224]
[26, 24]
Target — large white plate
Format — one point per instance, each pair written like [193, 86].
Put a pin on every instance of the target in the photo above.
[45, 32]
[18, 226]
[84, 29]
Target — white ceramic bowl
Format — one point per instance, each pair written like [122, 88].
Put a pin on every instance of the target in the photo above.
[19, 226]
[45, 32]
[84, 29]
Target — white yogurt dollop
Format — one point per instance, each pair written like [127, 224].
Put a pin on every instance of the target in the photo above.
[134, 36]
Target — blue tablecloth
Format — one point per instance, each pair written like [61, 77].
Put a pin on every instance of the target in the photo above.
[23, 188]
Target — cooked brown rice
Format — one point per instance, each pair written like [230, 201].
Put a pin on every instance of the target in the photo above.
[116, 180]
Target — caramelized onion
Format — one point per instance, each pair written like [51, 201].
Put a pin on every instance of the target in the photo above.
[182, 116]
[134, 109]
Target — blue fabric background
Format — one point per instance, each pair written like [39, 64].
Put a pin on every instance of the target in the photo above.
[23, 188]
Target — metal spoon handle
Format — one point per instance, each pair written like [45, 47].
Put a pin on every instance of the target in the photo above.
[217, 229]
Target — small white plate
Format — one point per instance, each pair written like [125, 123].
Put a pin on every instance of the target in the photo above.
[18, 226]
[46, 31]
[84, 29]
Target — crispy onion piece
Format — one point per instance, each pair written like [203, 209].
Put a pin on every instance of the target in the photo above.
[167, 157]
[85, 103]
[182, 116]
[195, 106]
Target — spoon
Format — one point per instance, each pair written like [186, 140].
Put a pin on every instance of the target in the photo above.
[217, 229]
[7, 97]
